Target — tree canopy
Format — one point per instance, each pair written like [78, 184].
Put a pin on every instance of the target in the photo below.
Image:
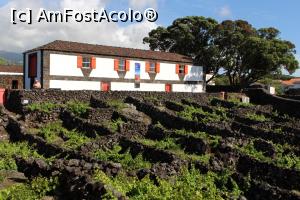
[245, 53]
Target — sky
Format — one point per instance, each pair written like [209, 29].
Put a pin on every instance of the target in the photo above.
[283, 15]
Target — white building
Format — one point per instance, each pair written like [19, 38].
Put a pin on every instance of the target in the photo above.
[77, 66]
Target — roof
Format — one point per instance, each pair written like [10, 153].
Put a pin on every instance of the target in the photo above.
[292, 81]
[75, 47]
[11, 68]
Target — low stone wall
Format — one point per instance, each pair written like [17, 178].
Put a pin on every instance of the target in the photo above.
[295, 97]
[16, 97]
[283, 105]
[223, 88]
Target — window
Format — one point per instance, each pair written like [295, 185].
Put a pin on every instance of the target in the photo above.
[152, 67]
[15, 84]
[181, 69]
[122, 64]
[86, 62]
[137, 85]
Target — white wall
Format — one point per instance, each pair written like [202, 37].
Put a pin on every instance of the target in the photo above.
[104, 69]
[75, 85]
[195, 88]
[39, 61]
[64, 65]
[117, 86]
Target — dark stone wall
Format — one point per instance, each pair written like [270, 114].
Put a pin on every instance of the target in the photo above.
[295, 97]
[283, 105]
[16, 97]
[293, 92]
[223, 88]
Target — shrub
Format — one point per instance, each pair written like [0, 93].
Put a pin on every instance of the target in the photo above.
[189, 185]
[52, 133]
[38, 188]
[117, 104]
[256, 117]
[9, 150]
[125, 159]
[77, 107]
[46, 107]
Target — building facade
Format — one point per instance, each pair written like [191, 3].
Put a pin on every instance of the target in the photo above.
[78, 66]
[11, 77]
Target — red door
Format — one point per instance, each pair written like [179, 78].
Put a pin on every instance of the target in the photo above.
[105, 87]
[168, 87]
[2, 96]
[32, 72]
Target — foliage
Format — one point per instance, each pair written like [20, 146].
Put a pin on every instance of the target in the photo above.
[189, 185]
[114, 125]
[117, 104]
[46, 107]
[256, 117]
[221, 80]
[77, 107]
[171, 145]
[9, 150]
[190, 112]
[38, 188]
[53, 132]
[191, 36]
[213, 140]
[282, 159]
[3, 61]
[125, 159]
[275, 83]
[245, 54]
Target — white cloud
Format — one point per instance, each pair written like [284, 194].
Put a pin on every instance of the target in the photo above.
[139, 4]
[22, 37]
[225, 11]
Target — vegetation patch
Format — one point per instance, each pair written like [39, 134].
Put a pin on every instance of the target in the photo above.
[125, 159]
[189, 185]
[45, 107]
[9, 150]
[36, 189]
[56, 133]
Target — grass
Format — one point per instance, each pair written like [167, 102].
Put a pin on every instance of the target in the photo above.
[36, 189]
[125, 159]
[189, 185]
[281, 159]
[213, 140]
[171, 145]
[190, 112]
[46, 107]
[114, 125]
[77, 107]
[117, 104]
[53, 132]
[256, 117]
[9, 150]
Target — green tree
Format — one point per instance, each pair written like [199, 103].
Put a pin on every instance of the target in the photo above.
[3, 61]
[191, 36]
[244, 53]
[251, 54]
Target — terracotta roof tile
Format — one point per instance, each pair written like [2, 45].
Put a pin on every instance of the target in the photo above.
[291, 81]
[75, 47]
[11, 68]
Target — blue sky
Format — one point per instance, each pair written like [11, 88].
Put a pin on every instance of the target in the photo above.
[283, 15]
